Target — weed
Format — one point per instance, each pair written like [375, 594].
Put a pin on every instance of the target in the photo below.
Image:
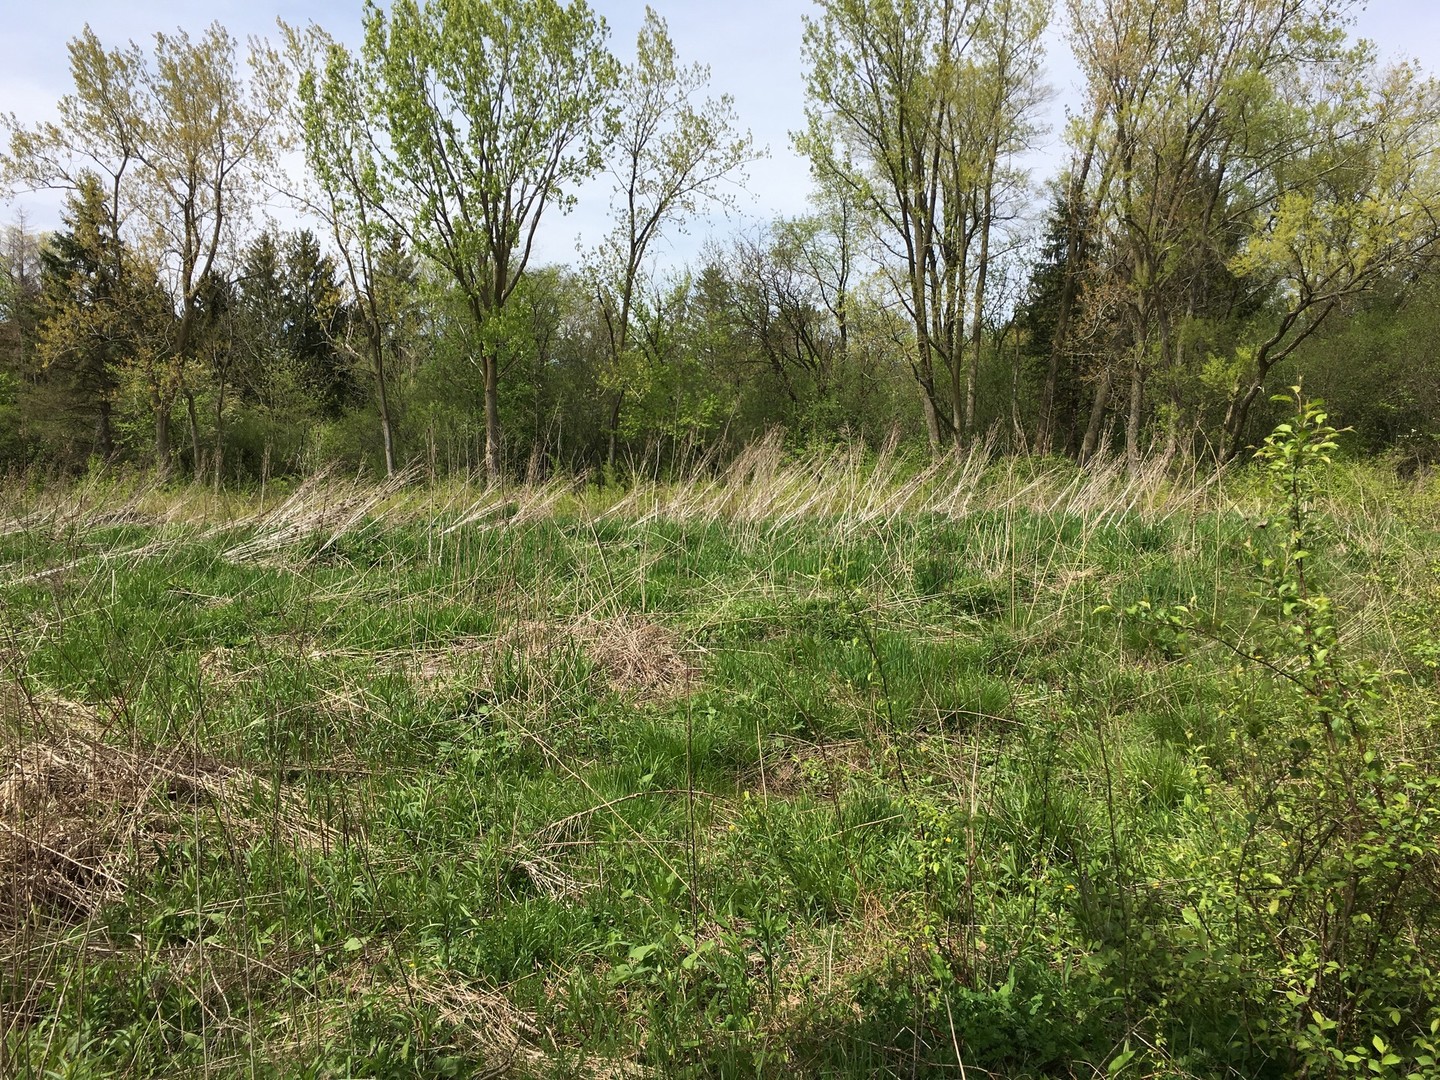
[824, 766]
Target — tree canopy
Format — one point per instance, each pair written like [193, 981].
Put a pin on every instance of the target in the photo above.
[1240, 181]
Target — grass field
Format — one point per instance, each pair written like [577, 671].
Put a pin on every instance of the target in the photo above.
[834, 766]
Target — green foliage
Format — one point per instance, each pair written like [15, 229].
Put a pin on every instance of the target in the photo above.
[705, 790]
[490, 113]
[1248, 187]
[1311, 905]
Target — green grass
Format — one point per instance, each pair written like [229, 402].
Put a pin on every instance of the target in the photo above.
[865, 777]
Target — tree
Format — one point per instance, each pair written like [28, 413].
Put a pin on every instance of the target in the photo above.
[20, 314]
[1360, 205]
[177, 139]
[763, 289]
[915, 105]
[88, 332]
[20, 290]
[314, 318]
[669, 156]
[996, 101]
[485, 113]
[1183, 98]
[877, 126]
[341, 153]
[99, 310]
[1047, 314]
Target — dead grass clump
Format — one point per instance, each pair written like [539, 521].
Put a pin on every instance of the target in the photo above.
[74, 507]
[221, 667]
[638, 656]
[71, 812]
[481, 1021]
[822, 770]
[80, 818]
[634, 654]
[827, 972]
[439, 668]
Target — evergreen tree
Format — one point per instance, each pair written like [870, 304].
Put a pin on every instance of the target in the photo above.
[96, 307]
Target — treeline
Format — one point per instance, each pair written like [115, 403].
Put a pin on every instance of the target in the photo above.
[1249, 198]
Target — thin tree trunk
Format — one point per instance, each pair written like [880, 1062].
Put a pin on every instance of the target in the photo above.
[1097, 415]
[1133, 416]
[612, 427]
[104, 431]
[1017, 427]
[924, 369]
[382, 393]
[219, 455]
[493, 462]
[959, 369]
[162, 436]
[198, 465]
[1236, 417]
[932, 416]
[972, 378]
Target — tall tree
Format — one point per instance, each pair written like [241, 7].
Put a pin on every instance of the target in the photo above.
[1356, 206]
[20, 287]
[915, 105]
[998, 97]
[671, 152]
[877, 124]
[87, 334]
[1182, 96]
[341, 152]
[177, 137]
[487, 112]
[1047, 315]
[21, 310]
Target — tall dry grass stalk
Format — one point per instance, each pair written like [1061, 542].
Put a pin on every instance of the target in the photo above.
[764, 484]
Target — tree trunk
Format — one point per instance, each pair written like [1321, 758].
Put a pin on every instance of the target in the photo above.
[387, 432]
[612, 427]
[1237, 414]
[961, 377]
[104, 431]
[219, 455]
[162, 437]
[957, 399]
[194, 420]
[924, 369]
[932, 416]
[1133, 416]
[1017, 426]
[972, 379]
[493, 463]
[1097, 416]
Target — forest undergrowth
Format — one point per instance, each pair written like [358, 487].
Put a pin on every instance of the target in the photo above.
[831, 765]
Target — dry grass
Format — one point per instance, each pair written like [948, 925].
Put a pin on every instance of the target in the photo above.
[859, 490]
[635, 655]
[639, 657]
[323, 504]
[81, 816]
[763, 484]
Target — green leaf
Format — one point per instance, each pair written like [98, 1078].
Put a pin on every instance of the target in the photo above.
[1119, 1061]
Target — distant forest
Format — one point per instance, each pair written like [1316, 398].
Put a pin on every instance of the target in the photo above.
[1249, 199]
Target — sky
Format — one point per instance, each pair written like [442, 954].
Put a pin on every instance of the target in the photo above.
[751, 46]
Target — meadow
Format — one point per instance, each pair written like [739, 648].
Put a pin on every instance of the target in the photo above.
[836, 764]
